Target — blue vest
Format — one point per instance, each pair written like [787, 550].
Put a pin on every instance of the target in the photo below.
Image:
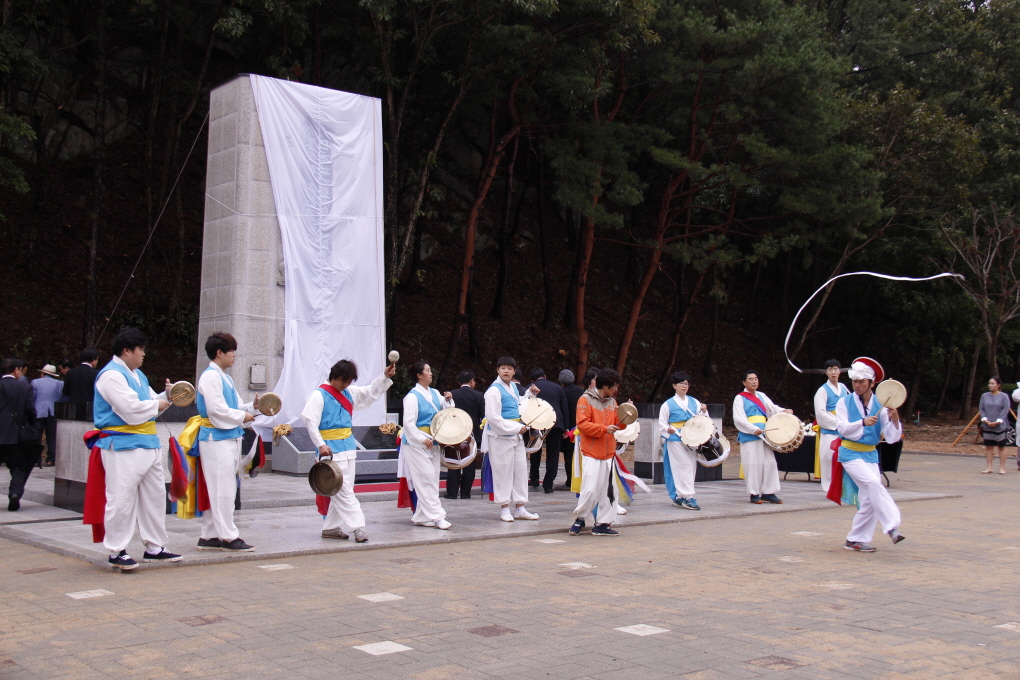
[831, 397]
[103, 415]
[677, 414]
[872, 433]
[218, 433]
[511, 402]
[751, 409]
[335, 416]
[427, 409]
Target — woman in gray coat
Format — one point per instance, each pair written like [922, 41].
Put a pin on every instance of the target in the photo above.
[994, 422]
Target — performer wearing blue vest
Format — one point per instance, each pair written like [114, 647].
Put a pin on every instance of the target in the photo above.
[419, 458]
[862, 422]
[502, 441]
[329, 426]
[751, 409]
[680, 462]
[825, 414]
[126, 407]
[219, 442]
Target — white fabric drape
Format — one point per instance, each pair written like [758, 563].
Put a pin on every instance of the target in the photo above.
[324, 149]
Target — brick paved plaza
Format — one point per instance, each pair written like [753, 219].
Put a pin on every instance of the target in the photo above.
[771, 594]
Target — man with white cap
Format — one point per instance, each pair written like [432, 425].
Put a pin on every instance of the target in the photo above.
[751, 409]
[862, 422]
[48, 391]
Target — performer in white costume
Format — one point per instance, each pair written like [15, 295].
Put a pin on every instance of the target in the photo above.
[328, 417]
[682, 462]
[825, 414]
[125, 409]
[419, 457]
[502, 441]
[219, 443]
[751, 409]
[862, 422]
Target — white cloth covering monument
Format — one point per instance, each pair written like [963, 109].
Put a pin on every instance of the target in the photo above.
[292, 260]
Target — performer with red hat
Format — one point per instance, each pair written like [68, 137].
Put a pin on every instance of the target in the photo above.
[861, 422]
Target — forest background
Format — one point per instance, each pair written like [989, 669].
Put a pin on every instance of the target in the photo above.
[644, 184]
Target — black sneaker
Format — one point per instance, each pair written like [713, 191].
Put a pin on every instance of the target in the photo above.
[603, 530]
[237, 545]
[756, 499]
[549, 490]
[577, 527]
[771, 498]
[123, 561]
[209, 544]
[163, 555]
[14, 503]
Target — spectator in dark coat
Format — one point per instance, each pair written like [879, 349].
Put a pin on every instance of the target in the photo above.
[470, 400]
[17, 407]
[554, 394]
[80, 381]
[573, 392]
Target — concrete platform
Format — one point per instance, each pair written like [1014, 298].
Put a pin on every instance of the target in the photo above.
[282, 532]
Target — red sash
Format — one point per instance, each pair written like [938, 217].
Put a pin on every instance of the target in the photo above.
[339, 396]
[322, 502]
[756, 401]
[835, 493]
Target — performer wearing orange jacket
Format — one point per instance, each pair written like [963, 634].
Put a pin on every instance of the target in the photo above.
[596, 422]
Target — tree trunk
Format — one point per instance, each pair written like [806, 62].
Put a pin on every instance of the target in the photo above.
[708, 370]
[98, 151]
[950, 360]
[504, 237]
[915, 385]
[488, 173]
[547, 289]
[569, 319]
[968, 388]
[683, 313]
[587, 245]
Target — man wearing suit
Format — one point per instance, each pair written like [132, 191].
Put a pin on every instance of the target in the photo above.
[48, 391]
[80, 381]
[554, 394]
[573, 392]
[17, 407]
[470, 400]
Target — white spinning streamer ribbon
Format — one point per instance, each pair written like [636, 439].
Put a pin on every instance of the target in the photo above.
[786, 343]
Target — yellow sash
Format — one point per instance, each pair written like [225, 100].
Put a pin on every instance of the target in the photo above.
[818, 450]
[757, 420]
[677, 426]
[336, 433]
[144, 428]
[854, 446]
[190, 432]
[425, 428]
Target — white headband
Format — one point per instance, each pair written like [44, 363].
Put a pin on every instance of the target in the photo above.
[861, 371]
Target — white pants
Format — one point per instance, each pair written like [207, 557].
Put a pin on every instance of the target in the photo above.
[760, 470]
[219, 468]
[422, 466]
[683, 463]
[135, 496]
[876, 503]
[509, 463]
[825, 458]
[344, 507]
[595, 478]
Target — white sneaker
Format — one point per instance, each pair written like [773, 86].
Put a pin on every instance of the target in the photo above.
[505, 515]
[429, 523]
[442, 524]
[620, 510]
[522, 513]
